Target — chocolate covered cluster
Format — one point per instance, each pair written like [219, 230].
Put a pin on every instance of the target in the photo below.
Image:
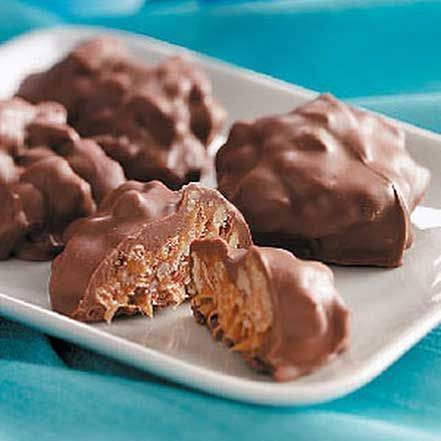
[327, 181]
[156, 121]
[132, 254]
[283, 315]
[49, 177]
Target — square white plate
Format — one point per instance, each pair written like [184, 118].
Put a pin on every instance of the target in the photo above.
[391, 309]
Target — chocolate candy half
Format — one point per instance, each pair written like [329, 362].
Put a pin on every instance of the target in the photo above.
[327, 181]
[282, 314]
[132, 254]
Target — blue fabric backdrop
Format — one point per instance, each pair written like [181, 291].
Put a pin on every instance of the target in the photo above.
[383, 55]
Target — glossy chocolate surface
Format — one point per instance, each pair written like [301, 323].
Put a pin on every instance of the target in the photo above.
[325, 180]
[156, 121]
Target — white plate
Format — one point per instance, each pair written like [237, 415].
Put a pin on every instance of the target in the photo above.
[391, 309]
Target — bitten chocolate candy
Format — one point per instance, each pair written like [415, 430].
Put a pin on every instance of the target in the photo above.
[155, 120]
[283, 315]
[132, 255]
[49, 177]
[328, 181]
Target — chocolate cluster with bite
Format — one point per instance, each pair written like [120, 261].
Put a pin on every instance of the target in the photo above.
[132, 254]
[327, 181]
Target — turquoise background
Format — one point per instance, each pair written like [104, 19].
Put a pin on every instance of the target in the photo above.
[381, 54]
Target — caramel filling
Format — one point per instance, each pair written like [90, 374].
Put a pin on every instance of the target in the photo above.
[235, 305]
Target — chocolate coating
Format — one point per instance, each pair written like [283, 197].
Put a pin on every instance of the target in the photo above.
[282, 314]
[156, 121]
[16, 115]
[325, 180]
[86, 158]
[49, 177]
[132, 254]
